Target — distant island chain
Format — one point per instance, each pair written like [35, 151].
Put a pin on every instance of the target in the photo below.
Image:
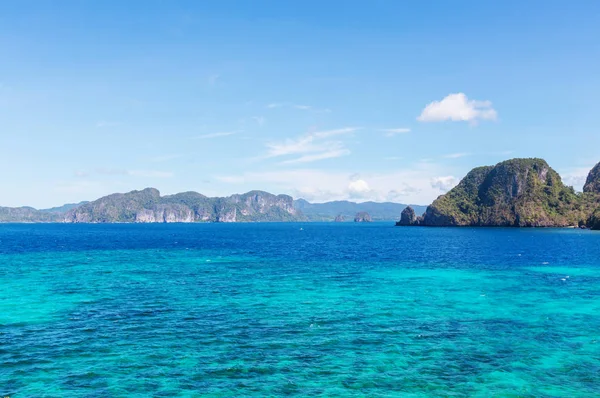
[513, 193]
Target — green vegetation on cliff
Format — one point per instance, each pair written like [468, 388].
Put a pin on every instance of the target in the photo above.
[460, 205]
[517, 192]
[592, 184]
[147, 206]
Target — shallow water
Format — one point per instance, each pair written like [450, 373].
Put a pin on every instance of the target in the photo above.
[273, 309]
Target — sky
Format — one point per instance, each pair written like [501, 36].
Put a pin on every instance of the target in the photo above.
[322, 100]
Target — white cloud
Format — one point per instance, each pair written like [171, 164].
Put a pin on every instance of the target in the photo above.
[358, 189]
[444, 184]
[335, 153]
[292, 146]
[313, 146]
[576, 176]
[215, 135]
[456, 155]
[393, 132]
[457, 107]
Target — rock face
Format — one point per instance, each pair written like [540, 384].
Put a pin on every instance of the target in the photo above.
[147, 206]
[407, 217]
[362, 217]
[515, 193]
[594, 220]
[592, 184]
[339, 218]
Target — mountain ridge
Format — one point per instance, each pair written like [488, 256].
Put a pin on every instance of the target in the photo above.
[148, 206]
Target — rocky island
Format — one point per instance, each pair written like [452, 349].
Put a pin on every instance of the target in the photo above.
[148, 206]
[407, 217]
[514, 193]
[362, 216]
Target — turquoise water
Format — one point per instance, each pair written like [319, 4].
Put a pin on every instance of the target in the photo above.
[273, 309]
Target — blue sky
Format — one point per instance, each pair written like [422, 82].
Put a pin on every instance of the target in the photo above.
[378, 100]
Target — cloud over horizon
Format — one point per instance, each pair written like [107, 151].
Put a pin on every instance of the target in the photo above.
[419, 184]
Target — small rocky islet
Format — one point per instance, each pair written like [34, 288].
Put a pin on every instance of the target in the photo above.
[514, 193]
[363, 216]
[339, 218]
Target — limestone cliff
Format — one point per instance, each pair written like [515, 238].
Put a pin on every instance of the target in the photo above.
[147, 206]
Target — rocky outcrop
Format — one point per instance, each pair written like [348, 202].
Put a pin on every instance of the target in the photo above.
[339, 218]
[407, 217]
[592, 184]
[594, 220]
[147, 206]
[514, 193]
[165, 214]
[362, 217]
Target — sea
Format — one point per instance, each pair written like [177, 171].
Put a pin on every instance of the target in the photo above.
[298, 309]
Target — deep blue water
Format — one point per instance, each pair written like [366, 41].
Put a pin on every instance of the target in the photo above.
[337, 309]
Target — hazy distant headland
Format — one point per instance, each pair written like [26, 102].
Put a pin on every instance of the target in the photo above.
[148, 206]
[514, 193]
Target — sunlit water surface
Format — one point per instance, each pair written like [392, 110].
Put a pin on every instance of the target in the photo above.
[298, 309]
